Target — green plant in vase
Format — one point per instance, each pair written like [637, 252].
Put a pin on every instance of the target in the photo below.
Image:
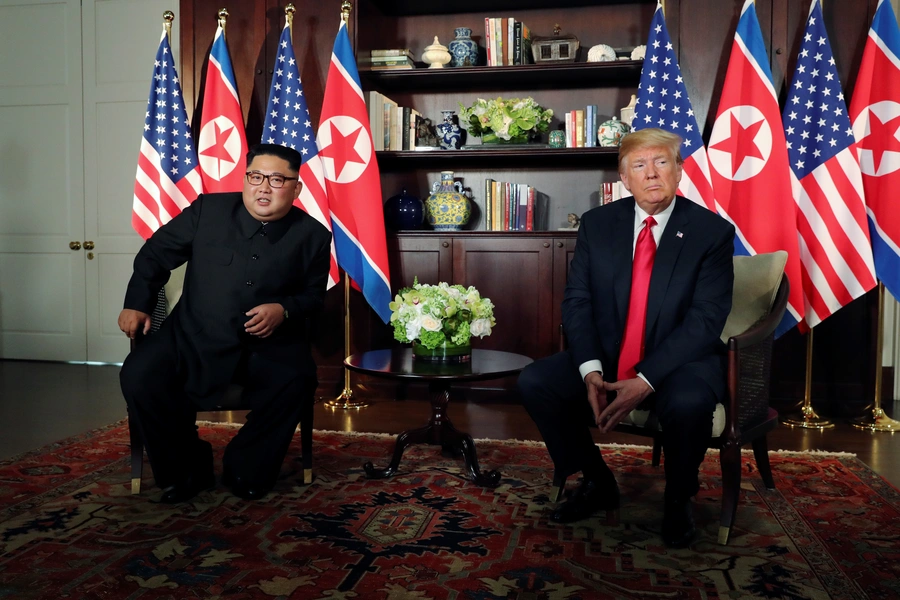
[441, 319]
[505, 121]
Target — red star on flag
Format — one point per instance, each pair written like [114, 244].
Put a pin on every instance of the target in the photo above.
[217, 150]
[881, 138]
[342, 149]
[740, 145]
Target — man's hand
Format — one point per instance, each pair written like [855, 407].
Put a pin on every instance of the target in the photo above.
[629, 393]
[132, 321]
[596, 393]
[264, 319]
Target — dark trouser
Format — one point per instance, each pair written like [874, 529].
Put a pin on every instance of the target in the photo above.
[556, 398]
[152, 380]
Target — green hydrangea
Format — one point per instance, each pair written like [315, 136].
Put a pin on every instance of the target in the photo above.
[506, 118]
[432, 314]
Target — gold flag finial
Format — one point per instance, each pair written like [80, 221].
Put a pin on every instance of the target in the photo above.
[346, 7]
[289, 11]
[168, 17]
[223, 17]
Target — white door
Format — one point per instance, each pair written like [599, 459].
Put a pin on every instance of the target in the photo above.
[120, 42]
[42, 281]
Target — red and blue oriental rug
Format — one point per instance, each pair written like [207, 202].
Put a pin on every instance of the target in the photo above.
[70, 528]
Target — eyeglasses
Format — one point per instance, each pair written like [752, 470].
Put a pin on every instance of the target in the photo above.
[275, 180]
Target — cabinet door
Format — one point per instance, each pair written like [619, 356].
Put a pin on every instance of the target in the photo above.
[563, 251]
[516, 274]
[428, 257]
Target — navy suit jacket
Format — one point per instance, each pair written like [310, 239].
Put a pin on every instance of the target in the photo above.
[689, 298]
[233, 267]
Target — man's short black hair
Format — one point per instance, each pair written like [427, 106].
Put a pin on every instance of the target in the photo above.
[292, 157]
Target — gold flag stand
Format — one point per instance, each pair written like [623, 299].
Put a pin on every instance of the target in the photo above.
[808, 419]
[878, 421]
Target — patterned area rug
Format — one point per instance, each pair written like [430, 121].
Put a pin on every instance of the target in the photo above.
[70, 528]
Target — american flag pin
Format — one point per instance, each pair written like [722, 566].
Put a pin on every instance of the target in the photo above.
[679, 234]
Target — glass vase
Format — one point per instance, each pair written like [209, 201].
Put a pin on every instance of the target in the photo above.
[448, 352]
[491, 138]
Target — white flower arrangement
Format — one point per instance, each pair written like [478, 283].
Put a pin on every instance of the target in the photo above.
[435, 314]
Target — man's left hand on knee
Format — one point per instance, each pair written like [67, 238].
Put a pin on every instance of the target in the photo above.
[629, 394]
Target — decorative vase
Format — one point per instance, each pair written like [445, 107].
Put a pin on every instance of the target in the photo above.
[490, 137]
[463, 50]
[610, 133]
[447, 207]
[449, 131]
[448, 352]
[403, 211]
[436, 55]
[557, 138]
[627, 112]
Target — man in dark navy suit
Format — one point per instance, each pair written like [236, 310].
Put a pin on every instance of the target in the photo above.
[648, 293]
[257, 267]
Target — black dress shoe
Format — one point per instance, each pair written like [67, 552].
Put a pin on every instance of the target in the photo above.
[678, 523]
[243, 490]
[590, 497]
[187, 489]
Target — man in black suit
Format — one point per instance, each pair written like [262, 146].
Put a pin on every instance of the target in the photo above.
[640, 324]
[257, 268]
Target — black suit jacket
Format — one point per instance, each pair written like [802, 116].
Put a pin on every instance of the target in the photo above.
[689, 298]
[234, 264]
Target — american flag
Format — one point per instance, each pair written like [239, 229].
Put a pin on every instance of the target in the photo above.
[835, 249]
[168, 178]
[288, 124]
[663, 102]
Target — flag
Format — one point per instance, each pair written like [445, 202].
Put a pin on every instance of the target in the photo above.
[288, 124]
[168, 177]
[222, 144]
[875, 115]
[663, 102]
[352, 179]
[835, 250]
[748, 156]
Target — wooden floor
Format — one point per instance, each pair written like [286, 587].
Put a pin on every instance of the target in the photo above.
[42, 403]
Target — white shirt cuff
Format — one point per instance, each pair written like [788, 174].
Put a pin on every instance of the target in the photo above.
[589, 367]
[641, 375]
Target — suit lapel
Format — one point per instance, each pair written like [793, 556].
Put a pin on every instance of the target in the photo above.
[666, 258]
[622, 250]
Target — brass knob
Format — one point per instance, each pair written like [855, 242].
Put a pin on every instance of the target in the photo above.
[446, 244]
[74, 245]
[546, 244]
[90, 256]
[88, 245]
[559, 244]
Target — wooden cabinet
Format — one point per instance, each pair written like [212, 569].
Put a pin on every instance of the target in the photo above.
[524, 275]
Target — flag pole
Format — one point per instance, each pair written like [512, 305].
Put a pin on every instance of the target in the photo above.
[808, 419]
[878, 421]
[223, 18]
[346, 399]
[168, 17]
[289, 11]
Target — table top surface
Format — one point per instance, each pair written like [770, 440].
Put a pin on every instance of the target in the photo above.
[399, 363]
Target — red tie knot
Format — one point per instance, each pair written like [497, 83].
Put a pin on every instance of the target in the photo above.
[650, 222]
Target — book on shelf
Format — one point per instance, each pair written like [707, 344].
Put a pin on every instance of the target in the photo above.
[579, 128]
[610, 191]
[386, 67]
[378, 53]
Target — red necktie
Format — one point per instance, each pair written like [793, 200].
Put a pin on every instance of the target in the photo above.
[636, 323]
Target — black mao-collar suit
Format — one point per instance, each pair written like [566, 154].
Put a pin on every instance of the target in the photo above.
[688, 303]
[235, 263]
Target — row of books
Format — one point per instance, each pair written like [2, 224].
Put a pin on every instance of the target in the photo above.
[508, 206]
[581, 127]
[388, 59]
[393, 127]
[508, 42]
[610, 191]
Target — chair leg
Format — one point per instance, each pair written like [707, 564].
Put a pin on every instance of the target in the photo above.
[657, 450]
[761, 452]
[730, 460]
[137, 455]
[559, 485]
[306, 429]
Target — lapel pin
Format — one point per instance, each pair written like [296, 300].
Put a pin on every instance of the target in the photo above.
[679, 234]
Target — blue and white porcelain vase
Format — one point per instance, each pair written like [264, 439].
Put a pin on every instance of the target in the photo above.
[449, 132]
[463, 50]
[448, 208]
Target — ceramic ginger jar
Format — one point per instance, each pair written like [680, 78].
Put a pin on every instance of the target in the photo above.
[610, 133]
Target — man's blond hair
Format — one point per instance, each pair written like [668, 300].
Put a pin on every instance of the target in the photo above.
[650, 138]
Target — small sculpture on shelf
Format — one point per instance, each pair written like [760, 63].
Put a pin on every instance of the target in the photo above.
[573, 222]
[426, 136]
[449, 131]
[601, 53]
[436, 55]
[639, 52]
[556, 48]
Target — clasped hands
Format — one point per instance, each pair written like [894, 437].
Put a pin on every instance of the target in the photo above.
[629, 394]
[264, 319]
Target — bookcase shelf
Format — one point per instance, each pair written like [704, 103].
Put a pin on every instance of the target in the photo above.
[398, 8]
[570, 158]
[569, 75]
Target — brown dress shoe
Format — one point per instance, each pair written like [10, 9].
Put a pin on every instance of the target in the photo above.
[590, 497]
